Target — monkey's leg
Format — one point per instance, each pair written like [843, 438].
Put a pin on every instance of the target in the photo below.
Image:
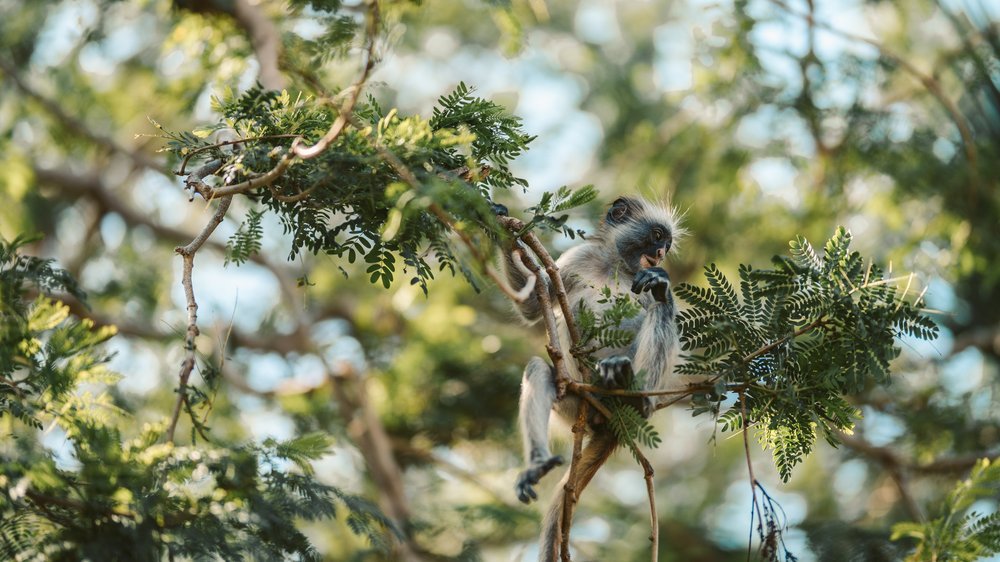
[537, 396]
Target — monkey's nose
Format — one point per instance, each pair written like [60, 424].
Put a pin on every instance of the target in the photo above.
[660, 254]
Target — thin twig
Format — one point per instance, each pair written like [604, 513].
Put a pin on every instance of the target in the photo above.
[262, 180]
[654, 518]
[200, 149]
[746, 449]
[773, 345]
[187, 254]
[307, 152]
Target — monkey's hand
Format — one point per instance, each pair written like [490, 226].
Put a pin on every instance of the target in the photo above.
[615, 372]
[528, 478]
[652, 279]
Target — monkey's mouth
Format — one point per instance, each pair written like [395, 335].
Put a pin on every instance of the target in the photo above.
[646, 262]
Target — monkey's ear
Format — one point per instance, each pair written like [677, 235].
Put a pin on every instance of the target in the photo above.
[619, 210]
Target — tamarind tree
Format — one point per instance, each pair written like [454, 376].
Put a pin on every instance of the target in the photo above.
[264, 321]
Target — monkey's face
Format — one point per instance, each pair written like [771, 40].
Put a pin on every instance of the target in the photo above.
[643, 244]
[641, 232]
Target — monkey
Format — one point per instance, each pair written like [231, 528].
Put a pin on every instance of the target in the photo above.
[625, 255]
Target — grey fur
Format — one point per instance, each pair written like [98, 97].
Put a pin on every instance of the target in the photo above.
[634, 228]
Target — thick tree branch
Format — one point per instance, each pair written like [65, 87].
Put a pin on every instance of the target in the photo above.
[75, 125]
[571, 494]
[889, 456]
[928, 82]
[367, 431]
[265, 40]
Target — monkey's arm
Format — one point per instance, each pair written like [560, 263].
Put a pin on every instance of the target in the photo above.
[654, 350]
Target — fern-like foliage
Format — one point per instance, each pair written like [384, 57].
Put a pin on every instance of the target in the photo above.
[549, 212]
[245, 243]
[351, 201]
[606, 327]
[498, 137]
[793, 340]
[631, 428]
[959, 534]
[136, 498]
[43, 353]
[18, 271]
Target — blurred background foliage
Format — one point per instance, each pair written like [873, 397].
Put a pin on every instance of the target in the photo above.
[759, 119]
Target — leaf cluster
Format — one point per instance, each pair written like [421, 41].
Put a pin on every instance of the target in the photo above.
[606, 327]
[44, 354]
[368, 194]
[959, 534]
[245, 242]
[545, 213]
[114, 497]
[139, 500]
[794, 340]
[631, 427]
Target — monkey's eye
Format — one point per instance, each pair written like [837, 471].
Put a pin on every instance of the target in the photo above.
[658, 234]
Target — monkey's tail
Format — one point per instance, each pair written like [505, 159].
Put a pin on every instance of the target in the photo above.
[594, 455]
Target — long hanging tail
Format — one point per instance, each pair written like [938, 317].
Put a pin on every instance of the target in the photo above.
[594, 455]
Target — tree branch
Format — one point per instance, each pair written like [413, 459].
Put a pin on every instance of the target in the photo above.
[304, 152]
[187, 254]
[654, 517]
[75, 125]
[571, 495]
[928, 82]
[264, 39]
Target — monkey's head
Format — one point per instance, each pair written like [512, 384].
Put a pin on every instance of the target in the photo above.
[641, 231]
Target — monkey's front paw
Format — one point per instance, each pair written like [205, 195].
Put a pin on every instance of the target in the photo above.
[652, 279]
[528, 478]
[615, 372]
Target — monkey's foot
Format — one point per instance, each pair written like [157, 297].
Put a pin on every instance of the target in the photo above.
[528, 478]
[615, 372]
